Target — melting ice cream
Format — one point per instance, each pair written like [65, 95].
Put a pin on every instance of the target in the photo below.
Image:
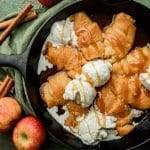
[81, 91]
[98, 71]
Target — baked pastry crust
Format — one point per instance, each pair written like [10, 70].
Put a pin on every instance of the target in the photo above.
[125, 89]
[112, 43]
[136, 61]
[119, 37]
[52, 90]
[89, 36]
[65, 57]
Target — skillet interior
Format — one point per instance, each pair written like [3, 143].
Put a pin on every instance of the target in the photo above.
[102, 13]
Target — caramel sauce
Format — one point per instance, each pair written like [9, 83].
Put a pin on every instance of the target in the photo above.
[74, 88]
[146, 92]
[135, 85]
[123, 118]
[104, 120]
[71, 121]
[97, 117]
[101, 105]
[101, 122]
[140, 61]
[88, 78]
[76, 109]
[98, 77]
[84, 93]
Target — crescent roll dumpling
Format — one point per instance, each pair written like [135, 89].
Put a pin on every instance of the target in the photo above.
[138, 96]
[112, 99]
[52, 91]
[124, 130]
[124, 90]
[89, 36]
[136, 61]
[65, 57]
[119, 37]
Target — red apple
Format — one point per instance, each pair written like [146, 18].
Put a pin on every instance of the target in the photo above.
[29, 134]
[10, 112]
[48, 3]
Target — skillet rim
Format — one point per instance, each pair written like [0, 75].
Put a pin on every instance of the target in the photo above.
[41, 27]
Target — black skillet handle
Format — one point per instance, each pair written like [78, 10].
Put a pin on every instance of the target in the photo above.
[16, 61]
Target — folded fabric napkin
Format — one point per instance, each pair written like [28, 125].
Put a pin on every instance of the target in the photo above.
[16, 43]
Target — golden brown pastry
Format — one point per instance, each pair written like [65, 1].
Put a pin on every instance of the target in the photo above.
[128, 69]
[116, 107]
[74, 110]
[111, 99]
[113, 103]
[124, 90]
[136, 61]
[119, 37]
[123, 124]
[124, 130]
[89, 36]
[71, 121]
[65, 57]
[123, 118]
[138, 96]
[52, 91]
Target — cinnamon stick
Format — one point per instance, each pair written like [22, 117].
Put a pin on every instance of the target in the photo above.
[16, 21]
[31, 15]
[3, 84]
[6, 86]
[12, 89]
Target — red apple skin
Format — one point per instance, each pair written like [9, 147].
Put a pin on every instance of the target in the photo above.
[10, 112]
[29, 134]
[48, 3]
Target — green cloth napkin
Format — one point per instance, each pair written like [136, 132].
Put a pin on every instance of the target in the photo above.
[16, 43]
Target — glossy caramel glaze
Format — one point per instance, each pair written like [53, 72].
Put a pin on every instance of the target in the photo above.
[75, 110]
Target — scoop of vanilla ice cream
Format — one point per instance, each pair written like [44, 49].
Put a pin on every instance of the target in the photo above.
[62, 33]
[94, 126]
[81, 91]
[145, 78]
[98, 71]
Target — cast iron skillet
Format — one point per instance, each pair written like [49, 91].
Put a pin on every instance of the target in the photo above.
[27, 62]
